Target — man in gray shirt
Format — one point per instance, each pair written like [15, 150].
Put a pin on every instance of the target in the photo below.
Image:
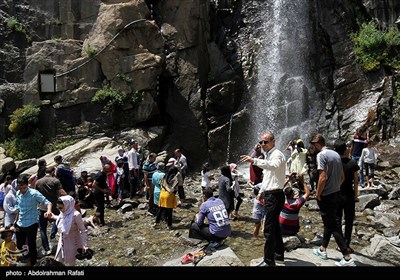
[331, 176]
[50, 187]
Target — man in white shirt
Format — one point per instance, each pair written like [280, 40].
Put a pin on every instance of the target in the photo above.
[133, 168]
[274, 167]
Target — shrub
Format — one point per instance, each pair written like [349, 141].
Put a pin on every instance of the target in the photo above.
[58, 145]
[24, 120]
[114, 98]
[124, 78]
[23, 148]
[90, 51]
[14, 25]
[375, 48]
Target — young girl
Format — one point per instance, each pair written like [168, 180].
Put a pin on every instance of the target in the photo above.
[6, 246]
[72, 229]
[236, 189]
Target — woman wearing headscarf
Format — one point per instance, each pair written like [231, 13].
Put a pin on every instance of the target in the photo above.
[110, 178]
[72, 229]
[10, 201]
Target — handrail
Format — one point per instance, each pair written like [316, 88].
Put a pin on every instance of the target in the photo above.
[92, 57]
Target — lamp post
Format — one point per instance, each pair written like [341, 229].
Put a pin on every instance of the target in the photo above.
[47, 81]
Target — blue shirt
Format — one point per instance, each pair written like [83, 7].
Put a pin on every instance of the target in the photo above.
[218, 218]
[27, 206]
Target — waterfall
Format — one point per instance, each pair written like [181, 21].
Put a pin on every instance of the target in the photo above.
[279, 101]
[228, 148]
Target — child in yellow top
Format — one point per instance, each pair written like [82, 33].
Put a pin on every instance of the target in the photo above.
[7, 245]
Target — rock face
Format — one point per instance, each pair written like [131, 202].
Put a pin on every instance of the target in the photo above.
[193, 64]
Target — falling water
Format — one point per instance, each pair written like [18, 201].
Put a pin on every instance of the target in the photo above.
[229, 140]
[283, 85]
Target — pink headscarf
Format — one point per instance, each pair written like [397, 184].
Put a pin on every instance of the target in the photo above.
[64, 220]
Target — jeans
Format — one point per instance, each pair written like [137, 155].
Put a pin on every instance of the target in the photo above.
[43, 229]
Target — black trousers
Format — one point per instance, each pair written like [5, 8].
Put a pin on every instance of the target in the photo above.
[202, 232]
[347, 207]
[328, 206]
[99, 198]
[272, 230]
[28, 233]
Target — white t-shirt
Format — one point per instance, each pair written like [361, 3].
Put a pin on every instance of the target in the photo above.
[205, 180]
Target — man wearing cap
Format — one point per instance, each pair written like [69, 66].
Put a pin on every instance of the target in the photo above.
[298, 156]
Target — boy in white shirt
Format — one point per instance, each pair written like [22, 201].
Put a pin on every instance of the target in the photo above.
[369, 157]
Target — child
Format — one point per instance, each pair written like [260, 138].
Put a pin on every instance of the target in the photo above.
[236, 189]
[206, 176]
[368, 159]
[6, 246]
[91, 221]
[120, 178]
[258, 213]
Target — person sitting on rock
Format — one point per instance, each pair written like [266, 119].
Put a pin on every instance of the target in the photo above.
[218, 227]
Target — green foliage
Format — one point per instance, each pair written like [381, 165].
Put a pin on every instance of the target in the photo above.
[375, 48]
[114, 98]
[14, 25]
[90, 51]
[23, 148]
[124, 78]
[24, 120]
[58, 144]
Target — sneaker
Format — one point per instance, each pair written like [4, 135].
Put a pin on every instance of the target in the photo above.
[322, 254]
[46, 252]
[279, 259]
[344, 262]
[262, 264]
[215, 244]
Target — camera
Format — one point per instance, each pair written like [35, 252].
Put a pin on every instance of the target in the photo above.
[295, 183]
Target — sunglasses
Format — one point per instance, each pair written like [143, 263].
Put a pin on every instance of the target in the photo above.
[263, 142]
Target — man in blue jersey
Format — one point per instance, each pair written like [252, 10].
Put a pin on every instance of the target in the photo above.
[218, 227]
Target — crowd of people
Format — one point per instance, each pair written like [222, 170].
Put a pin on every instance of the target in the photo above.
[281, 187]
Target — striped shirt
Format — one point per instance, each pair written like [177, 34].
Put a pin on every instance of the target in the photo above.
[289, 217]
[27, 205]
